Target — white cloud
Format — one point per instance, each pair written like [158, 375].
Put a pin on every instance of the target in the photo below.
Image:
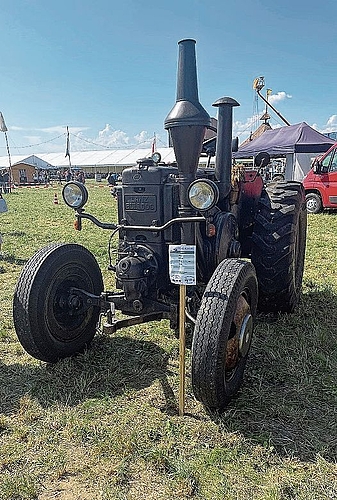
[143, 138]
[243, 129]
[53, 139]
[61, 129]
[330, 126]
[332, 121]
[33, 139]
[14, 127]
[57, 129]
[280, 96]
[110, 137]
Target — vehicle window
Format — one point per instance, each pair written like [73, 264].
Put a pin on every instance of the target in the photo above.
[326, 161]
[333, 165]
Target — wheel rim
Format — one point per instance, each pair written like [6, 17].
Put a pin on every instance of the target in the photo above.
[245, 335]
[312, 204]
[64, 311]
[240, 336]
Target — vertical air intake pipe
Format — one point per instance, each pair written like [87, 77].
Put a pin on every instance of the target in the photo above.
[187, 123]
[223, 159]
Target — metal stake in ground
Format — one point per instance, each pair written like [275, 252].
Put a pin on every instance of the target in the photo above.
[182, 343]
[182, 267]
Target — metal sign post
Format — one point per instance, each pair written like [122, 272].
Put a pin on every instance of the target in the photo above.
[182, 264]
[182, 344]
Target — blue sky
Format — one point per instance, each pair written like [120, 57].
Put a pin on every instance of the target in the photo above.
[107, 69]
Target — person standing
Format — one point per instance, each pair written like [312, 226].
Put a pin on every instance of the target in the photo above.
[5, 178]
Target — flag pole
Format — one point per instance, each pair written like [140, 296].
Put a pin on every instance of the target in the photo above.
[154, 145]
[68, 149]
[10, 164]
[4, 129]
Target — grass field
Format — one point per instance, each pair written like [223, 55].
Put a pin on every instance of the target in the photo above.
[104, 425]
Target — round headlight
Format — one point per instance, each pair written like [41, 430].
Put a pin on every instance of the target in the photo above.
[203, 194]
[156, 157]
[75, 194]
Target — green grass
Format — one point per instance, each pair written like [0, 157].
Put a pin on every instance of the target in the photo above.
[103, 425]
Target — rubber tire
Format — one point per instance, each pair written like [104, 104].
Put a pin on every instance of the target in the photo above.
[278, 248]
[232, 279]
[44, 329]
[315, 207]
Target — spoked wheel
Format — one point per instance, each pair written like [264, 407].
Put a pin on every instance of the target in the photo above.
[223, 333]
[51, 320]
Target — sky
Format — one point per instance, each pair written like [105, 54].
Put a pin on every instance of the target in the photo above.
[107, 69]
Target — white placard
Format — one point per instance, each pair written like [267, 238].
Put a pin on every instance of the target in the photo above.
[182, 264]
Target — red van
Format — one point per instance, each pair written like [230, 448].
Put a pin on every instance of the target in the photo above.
[320, 183]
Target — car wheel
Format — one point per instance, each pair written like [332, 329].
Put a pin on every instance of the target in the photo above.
[314, 203]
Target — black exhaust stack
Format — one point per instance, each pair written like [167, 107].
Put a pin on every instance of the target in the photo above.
[187, 123]
[223, 159]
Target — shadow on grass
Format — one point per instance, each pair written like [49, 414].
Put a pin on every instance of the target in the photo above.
[11, 259]
[288, 401]
[289, 397]
[111, 367]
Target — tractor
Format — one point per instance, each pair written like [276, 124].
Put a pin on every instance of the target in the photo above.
[249, 239]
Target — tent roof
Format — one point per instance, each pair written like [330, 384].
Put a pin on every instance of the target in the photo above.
[81, 159]
[299, 138]
[121, 157]
[34, 161]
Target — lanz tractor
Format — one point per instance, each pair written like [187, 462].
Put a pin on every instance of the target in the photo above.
[250, 245]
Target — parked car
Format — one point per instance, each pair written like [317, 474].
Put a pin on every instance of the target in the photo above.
[320, 183]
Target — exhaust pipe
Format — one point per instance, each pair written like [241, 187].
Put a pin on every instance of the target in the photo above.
[224, 143]
[186, 124]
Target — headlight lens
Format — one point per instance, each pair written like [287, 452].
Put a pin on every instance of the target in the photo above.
[75, 194]
[156, 157]
[203, 194]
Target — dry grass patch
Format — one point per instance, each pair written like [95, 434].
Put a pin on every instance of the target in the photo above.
[104, 424]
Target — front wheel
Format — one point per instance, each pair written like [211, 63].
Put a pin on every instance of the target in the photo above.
[50, 320]
[314, 203]
[223, 333]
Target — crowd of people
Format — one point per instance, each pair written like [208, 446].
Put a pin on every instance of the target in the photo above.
[77, 175]
[59, 176]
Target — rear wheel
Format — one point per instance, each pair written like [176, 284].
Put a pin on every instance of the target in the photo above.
[52, 321]
[314, 203]
[278, 249]
[223, 333]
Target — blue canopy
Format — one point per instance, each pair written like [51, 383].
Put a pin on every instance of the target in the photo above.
[299, 138]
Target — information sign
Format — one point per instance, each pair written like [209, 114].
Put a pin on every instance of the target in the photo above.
[182, 264]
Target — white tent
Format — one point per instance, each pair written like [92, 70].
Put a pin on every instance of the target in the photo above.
[95, 160]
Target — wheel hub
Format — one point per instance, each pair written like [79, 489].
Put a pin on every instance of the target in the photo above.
[245, 335]
[311, 204]
[242, 327]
